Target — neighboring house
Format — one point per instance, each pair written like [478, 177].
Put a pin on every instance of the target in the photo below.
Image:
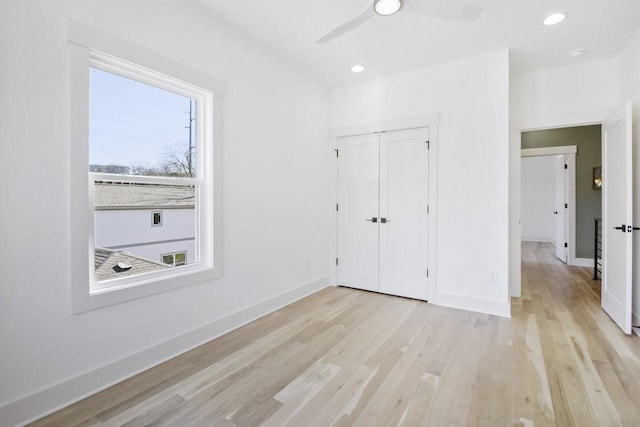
[155, 222]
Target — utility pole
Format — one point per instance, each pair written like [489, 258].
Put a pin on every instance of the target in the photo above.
[190, 152]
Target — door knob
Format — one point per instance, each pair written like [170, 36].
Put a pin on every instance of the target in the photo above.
[623, 228]
[373, 219]
[555, 212]
[384, 220]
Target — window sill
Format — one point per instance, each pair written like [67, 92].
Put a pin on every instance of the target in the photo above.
[104, 296]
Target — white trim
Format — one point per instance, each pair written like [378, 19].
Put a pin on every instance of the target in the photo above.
[584, 118]
[570, 160]
[549, 151]
[87, 48]
[479, 305]
[403, 123]
[538, 239]
[582, 262]
[88, 37]
[433, 210]
[34, 406]
[515, 246]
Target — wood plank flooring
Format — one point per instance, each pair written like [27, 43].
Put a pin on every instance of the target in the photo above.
[343, 357]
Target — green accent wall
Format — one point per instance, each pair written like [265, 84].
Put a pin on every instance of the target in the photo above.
[588, 201]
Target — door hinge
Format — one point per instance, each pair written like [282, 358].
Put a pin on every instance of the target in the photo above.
[427, 209]
[566, 245]
[427, 272]
[336, 261]
[566, 205]
[336, 207]
[428, 144]
[565, 166]
[336, 150]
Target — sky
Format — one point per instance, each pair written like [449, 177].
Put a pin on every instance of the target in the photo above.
[132, 123]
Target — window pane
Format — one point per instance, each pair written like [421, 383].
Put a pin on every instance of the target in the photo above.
[122, 232]
[138, 129]
[180, 258]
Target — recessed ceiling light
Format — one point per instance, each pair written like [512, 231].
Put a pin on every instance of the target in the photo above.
[357, 68]
[387, 7]
[577, 52]
[554, 18]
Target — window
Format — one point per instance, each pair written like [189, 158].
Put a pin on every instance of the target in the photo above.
[175, 260]
[156, 219]
[147, 137]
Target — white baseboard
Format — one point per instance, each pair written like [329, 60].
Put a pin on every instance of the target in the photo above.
[581, 262]
[37, 405]
[635, 320]
[538, 239]
[479, 305]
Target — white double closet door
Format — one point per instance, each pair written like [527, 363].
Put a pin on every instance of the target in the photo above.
[383, 212]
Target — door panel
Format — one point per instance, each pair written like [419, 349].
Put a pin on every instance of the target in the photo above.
[617, 210]
[404, 198]
[561, 216]
[358, 186]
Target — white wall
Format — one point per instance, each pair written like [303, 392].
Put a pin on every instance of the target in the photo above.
[275, 227]
[472, 230]
[630, 90]
[538, 198]
[571, 95]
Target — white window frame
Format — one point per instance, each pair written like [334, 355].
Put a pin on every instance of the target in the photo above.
[90, 48]
[173, 256]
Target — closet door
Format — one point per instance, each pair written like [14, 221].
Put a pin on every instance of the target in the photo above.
[357, 217]
[404, 222]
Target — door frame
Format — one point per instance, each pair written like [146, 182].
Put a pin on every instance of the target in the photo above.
[515, 146]
[569, 151]
[429, 120]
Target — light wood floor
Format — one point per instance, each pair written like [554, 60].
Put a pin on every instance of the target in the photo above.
[346, 357]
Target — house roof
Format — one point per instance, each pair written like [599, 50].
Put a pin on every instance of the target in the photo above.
[109, 196]
[106, 264]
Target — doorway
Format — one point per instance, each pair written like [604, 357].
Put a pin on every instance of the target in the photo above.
[588, 142]
[548, 199]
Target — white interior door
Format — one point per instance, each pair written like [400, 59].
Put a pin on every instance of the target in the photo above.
[358, 187]
[404, 222]
[560, 214]
[617, 218]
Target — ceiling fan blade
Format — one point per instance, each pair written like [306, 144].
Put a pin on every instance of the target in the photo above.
[349, 25]
[452, 10]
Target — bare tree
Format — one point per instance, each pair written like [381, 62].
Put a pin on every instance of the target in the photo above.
[178, 163]
[174, 163]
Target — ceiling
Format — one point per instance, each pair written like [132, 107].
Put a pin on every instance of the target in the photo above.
[405, 41]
